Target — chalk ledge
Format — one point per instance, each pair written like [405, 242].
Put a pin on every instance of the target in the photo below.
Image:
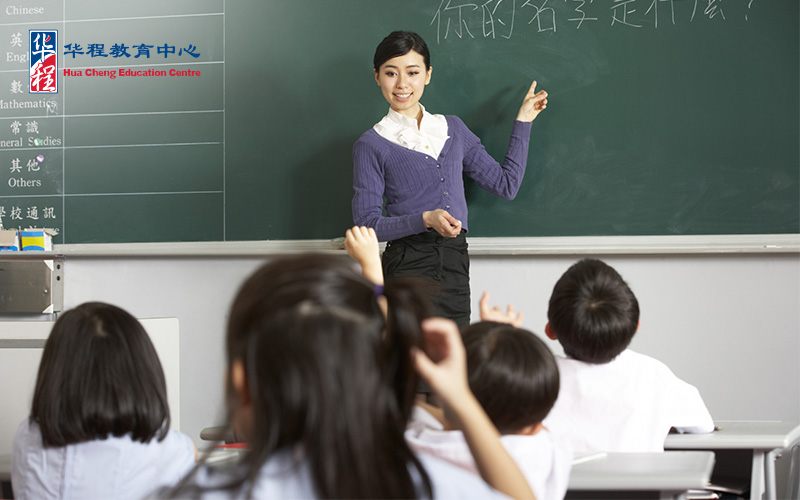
[498, 246]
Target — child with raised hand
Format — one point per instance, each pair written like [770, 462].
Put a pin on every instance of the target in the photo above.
[612, 398]
[514, 377]
[362, 245]
[511, 374]
[99, 423]
[321, 384]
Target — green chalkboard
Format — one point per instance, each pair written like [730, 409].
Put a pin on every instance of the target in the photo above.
[665, 117]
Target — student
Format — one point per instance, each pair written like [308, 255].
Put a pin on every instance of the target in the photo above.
[321, 385]
[612, 398]
[415, 160]
[514, 376]
[99, 423]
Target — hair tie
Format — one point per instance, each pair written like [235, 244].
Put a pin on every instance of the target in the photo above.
[377, 291]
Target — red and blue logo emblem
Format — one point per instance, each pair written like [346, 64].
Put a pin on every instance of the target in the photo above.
[44, 61]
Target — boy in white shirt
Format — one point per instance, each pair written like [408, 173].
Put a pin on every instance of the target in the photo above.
[512, 374]
[611, 398]
[515, 378]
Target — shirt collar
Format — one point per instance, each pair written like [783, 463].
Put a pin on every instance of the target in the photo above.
[434, 125]
[400, 119]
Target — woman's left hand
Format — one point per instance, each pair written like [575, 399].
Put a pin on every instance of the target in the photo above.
[533, 104]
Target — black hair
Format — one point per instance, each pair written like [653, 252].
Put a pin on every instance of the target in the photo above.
[99, 375]
[327, 375]
[512, 373]
[593, 312]
[400, 43]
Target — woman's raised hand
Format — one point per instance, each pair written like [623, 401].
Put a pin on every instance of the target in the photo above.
[533, 104]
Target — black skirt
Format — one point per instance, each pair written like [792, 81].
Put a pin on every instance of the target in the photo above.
[445, 261]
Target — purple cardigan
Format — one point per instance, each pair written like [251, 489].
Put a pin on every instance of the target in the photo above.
[414, 182]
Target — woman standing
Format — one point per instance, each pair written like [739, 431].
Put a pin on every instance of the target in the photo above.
[415, 161]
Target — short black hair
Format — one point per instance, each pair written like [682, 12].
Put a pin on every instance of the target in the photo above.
[99, 375]
[593, 312]
[512, 373]
[400, 43]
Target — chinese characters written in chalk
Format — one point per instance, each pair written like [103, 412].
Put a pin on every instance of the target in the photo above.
[17, 213]
[118, 50]
[456, 19]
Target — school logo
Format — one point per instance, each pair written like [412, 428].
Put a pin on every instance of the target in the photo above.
[44, 61]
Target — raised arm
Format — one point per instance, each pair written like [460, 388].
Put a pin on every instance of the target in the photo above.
[504, 179]
[489, 313]
[444, 367]
[361, 244]
[532, 104]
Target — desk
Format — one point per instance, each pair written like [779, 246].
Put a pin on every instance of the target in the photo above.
[641, 475]
[760, 439]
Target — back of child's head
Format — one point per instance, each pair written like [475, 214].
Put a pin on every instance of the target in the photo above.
[327, 374]
[512, 373]
[593, 312]
[99, 375]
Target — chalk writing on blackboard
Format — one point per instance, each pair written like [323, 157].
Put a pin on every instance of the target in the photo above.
[464, 19]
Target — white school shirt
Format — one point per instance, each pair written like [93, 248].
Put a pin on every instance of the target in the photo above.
[626, 405]
[543, 460]
[428, 138]
[287, 475]
[116, 467]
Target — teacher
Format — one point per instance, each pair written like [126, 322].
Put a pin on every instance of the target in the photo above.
[415, 160]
